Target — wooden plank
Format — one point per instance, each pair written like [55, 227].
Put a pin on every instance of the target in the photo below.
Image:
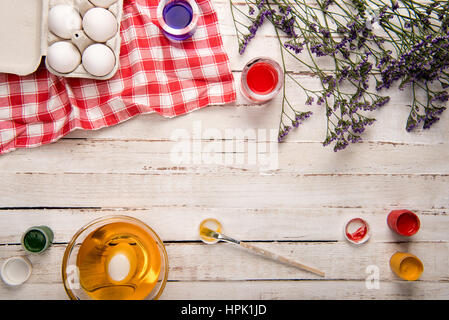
[226, 262]
[157, 157]
[261, 290]
[389, 127]
[198, 266]
[303, 204]
[339, 261]
[180, 223]
[299, 290]
[248, 190]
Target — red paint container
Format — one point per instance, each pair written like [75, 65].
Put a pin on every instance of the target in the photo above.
[262, 79]
[357, 231]
[403, 222]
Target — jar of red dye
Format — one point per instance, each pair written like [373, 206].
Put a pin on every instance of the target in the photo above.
[262, 79]
[403, 222]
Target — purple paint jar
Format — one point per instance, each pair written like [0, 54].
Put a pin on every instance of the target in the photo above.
[178, 18]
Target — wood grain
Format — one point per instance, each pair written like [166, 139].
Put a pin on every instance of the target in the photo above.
[226, 262]
[389, 126]
[297, 209]
[180, 223]
[222, 190]
[154, 157]
[264, 279]
[263, 290]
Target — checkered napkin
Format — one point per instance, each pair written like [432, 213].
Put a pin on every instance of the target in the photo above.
[155, 75]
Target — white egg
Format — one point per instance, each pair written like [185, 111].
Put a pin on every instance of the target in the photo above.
[63, 57]
[103, 3]
[63, 20]
[100, 24]
[98, 59]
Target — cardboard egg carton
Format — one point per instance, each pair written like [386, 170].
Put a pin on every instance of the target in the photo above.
[25, 38]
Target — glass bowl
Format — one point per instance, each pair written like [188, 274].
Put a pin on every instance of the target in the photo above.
[115, 258]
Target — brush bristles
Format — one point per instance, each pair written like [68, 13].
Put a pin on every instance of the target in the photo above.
[206, 232]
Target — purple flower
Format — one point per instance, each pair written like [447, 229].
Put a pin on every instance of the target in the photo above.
[312, 27]
[354, 138]
[300, 117]
[395, 6]
[320, 100]
[260, 4]
[309, 100]
[258, 21]
[381, 102]
[285, 21]
[442, 96]
[317, 50]
[296, 48]
[325, 33]
[423, 62]
[283, 133]
[341, 144]
[329, 139]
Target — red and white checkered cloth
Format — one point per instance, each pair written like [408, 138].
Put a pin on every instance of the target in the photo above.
[155, 75]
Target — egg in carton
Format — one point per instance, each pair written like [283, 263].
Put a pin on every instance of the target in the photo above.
[84, 38]
[80, 38]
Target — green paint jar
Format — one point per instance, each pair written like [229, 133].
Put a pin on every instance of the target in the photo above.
[37, 239]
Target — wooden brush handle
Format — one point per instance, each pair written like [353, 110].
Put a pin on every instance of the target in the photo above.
[279, 258]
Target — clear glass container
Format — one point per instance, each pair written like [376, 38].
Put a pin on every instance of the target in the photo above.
[115, 258]
[262, 79]
[178, 19]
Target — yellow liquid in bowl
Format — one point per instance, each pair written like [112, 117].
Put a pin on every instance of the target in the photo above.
[119, 261]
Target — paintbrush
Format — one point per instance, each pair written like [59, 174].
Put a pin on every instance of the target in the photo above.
[221, 237]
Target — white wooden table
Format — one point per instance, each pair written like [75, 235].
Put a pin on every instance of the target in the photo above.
[298, 209]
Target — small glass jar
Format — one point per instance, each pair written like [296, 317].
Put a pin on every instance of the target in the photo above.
[178, 18]
[37, 239]
[357, 231]
[209, 224]
[262, 79]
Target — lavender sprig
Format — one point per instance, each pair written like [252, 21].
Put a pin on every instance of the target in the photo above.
[400, 43]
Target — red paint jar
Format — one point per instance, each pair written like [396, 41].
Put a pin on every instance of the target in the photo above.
[262, 79]
[403, 222]
[357, 231]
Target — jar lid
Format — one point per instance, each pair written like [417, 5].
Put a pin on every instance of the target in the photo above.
[16, 270]
[178, 18]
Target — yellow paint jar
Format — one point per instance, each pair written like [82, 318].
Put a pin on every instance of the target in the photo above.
[406, 266]
[209, 224]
